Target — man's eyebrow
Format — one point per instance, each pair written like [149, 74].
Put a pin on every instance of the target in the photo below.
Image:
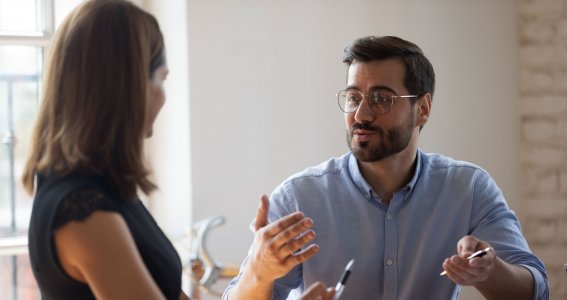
[373, 88]
[382, 88]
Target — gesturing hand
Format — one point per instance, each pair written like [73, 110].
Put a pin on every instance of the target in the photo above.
[465, 271]
[276, 247]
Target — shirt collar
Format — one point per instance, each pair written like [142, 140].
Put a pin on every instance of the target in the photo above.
[417, 171]
[357, 178]
[366, 189]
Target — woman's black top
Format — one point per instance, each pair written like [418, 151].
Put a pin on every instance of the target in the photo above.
[59, 200]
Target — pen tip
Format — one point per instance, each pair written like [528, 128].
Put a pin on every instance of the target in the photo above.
[349, 265]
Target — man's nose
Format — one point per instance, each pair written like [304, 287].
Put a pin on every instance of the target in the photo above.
[364, 113]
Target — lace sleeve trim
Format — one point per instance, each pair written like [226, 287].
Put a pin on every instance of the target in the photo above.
[79, 204]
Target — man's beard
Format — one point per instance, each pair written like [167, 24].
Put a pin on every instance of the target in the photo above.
[392, 141]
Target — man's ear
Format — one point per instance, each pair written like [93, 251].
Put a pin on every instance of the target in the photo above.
[423, 109]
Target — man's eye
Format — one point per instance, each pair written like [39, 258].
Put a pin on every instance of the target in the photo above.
[381, 99]
[354, 98]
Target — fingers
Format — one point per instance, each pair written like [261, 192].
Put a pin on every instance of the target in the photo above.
[292, 239]
[262, 213]
[454, 273]
[292, 234]
[467, 246]
[286, 229]
[299, 242]
[318, 291]
[331, 292]
[458, 267]
[468, 271]
[459, 271]
[279, 246]
[301, 256]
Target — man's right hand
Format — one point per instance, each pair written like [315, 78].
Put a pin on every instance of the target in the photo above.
[277, 246]
[276, 249]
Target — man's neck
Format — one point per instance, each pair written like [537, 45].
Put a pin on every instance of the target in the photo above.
[390, 174]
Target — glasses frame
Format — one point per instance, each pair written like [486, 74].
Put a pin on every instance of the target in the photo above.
[372, 104]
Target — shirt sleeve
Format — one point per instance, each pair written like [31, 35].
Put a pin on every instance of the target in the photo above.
[281, 204]
[494, 222]
[79, 204]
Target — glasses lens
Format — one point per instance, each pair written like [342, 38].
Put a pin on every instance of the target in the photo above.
[381, 101]
[349, 100]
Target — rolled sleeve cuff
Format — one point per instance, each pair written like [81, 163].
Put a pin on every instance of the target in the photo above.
[541, 288]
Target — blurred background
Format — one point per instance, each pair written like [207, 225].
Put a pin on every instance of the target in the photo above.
[251, 100]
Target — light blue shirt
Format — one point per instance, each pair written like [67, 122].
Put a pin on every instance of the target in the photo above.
[399, 248]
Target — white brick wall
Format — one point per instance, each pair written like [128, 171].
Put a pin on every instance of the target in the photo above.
[543, 110]
[535, 81]
[538, 104]
[539, 130]
[541, 9]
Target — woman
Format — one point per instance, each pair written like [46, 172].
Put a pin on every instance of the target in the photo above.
[90, 236]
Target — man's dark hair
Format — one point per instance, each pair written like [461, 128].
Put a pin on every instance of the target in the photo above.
[419, 78]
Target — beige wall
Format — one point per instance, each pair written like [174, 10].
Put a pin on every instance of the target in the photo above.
[262, 90]
[264, 75]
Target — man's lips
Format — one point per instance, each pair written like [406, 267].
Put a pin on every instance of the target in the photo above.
[362, 135]
[362, 132]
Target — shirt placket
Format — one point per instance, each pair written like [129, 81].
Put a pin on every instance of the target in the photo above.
[391, 249]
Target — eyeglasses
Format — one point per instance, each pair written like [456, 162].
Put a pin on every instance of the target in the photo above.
[380, 101]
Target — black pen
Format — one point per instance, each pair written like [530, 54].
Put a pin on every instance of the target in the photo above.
[479, 253]
[344, 277]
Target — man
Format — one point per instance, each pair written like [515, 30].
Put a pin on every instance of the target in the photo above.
[402, 214]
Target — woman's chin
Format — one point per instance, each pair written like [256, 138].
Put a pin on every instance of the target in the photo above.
[149, 133]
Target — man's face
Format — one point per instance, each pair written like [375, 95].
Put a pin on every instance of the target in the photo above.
[370, 136]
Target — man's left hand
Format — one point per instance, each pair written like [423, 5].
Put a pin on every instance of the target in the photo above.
[465, 271]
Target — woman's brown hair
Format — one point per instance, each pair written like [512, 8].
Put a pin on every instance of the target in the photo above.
[94, 106]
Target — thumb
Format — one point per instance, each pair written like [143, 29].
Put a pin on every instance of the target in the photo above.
[262, 213]
[467, 246]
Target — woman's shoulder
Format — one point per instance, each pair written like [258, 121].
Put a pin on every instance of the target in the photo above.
[73, 197]
[80, 203]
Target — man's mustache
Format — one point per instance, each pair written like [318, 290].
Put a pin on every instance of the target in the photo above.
[363, 126]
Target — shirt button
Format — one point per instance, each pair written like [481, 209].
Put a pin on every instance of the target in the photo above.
[389, 262]
[390, 217]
